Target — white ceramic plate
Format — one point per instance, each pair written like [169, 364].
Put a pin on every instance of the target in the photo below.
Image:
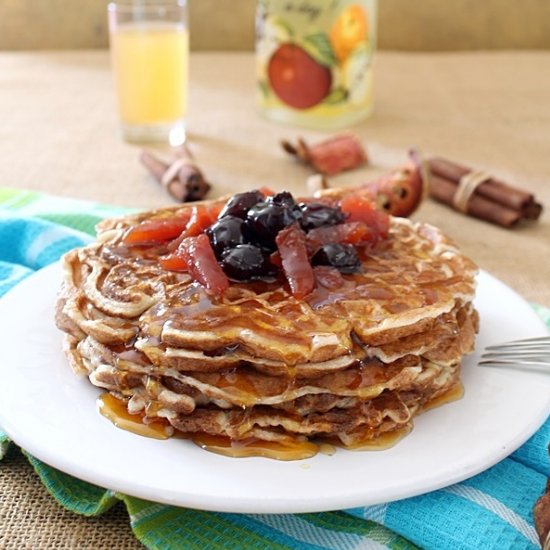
[52, 413]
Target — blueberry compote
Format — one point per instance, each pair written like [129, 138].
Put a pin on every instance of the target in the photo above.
[244, 235]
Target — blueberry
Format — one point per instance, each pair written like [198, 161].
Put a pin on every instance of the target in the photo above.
[239, 204]
[286, 200]
[225, 233]
[316, 214]
[264, 221]
[341, 256]
[245, 262]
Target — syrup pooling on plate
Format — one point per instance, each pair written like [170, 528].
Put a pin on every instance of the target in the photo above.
[453, 394]
[287, 450]
[116, 411]
[382, 442]
[349, 358]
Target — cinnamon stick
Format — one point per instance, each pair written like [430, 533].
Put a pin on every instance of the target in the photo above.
[493, 190]
[541, 513]
[443, 190]
[182, 178]
[154, 166]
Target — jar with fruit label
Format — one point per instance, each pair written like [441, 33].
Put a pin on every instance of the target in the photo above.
[314, 61]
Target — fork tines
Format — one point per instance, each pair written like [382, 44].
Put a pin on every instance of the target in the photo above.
[531, 352]
[542, 342]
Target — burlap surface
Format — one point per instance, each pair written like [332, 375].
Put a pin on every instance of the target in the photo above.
[30, 519]
[59, 134]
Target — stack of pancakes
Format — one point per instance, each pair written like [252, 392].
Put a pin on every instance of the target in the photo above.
[347, 364]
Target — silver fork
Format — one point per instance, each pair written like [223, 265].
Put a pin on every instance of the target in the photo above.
[530, 353]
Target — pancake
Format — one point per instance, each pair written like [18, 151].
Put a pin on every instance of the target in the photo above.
[347, 365]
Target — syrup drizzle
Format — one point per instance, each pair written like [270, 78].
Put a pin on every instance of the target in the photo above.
[116, 411]
[382, 442]
[278, 450]
[454, 393]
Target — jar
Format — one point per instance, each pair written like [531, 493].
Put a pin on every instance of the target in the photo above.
[314, 61]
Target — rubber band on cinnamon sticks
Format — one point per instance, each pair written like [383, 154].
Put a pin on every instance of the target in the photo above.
[183, 179]
[480, 194]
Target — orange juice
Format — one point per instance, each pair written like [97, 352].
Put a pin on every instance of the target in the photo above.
[150, 63]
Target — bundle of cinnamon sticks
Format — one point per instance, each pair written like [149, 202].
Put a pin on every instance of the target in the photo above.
[479, 194]
[181, 177]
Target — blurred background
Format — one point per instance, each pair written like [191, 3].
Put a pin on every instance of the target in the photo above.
[422, 25]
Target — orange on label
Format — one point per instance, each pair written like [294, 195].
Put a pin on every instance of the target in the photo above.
[348, 31]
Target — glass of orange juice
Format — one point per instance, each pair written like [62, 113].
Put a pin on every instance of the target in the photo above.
[149, 53]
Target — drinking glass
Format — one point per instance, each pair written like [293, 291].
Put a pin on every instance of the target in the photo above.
[149, 45]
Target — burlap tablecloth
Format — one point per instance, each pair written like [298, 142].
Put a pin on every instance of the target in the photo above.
[59, 134]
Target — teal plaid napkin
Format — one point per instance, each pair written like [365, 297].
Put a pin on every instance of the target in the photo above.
[492, 510]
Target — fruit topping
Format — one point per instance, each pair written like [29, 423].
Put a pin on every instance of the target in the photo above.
[360, 209]
[291, 243]
[265, 220]
[317, 214]
[400, 192]
[275, 259]
[341, 256]
[239, 204]
[225, 233]
[202, 218]
[356, 233]
[267, 192]
[173, 262]
[284, 198]
[246, 262]
[197, 255]
[156, 231]
[256, 236]
[328, 276]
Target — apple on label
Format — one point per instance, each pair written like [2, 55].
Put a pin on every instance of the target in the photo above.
[296, 78]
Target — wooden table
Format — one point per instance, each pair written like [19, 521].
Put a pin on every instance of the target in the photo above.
[59, 134]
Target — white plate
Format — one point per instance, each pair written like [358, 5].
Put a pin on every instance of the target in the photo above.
[52, 413]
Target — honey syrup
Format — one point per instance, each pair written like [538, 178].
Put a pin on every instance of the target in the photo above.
[455, 393]
[292, 450]
[116, 411]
